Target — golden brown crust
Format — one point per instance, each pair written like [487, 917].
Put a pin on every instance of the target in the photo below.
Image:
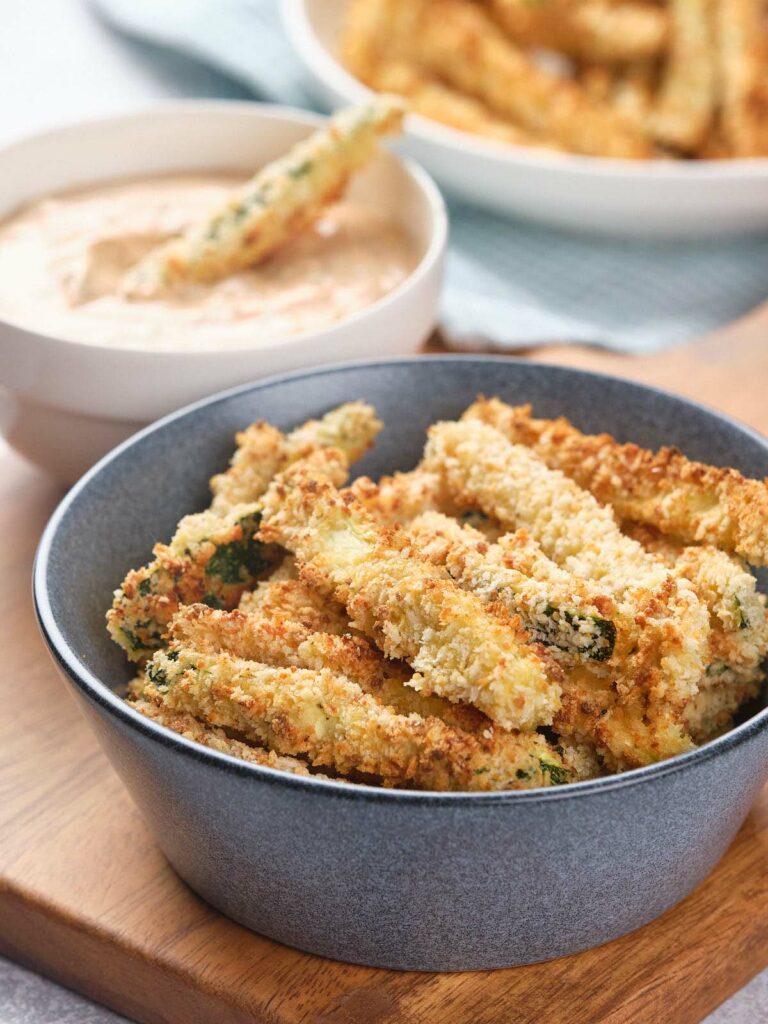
[699, 503]
[411, 609]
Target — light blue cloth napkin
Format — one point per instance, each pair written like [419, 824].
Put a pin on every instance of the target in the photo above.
[509, 284]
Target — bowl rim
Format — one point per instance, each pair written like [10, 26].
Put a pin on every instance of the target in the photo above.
[324, 66]
[98, 692]
[431, 198]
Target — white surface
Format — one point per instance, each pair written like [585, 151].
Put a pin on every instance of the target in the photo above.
[110, 392]
[639, 199]
[88, 72]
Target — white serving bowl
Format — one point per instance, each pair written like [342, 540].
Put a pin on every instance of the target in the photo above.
[64, 403]
[653, 199]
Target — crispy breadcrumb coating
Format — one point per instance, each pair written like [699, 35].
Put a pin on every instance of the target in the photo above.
[211, 559]
[276, 205]
[191, 728]
[512, 483]
[331, 721]
[263, 451]
[695, 502]
[554, 606]
[413, 610]
[277, 639]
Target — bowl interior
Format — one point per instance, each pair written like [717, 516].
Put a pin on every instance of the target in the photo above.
[110, 520]
[193, 136]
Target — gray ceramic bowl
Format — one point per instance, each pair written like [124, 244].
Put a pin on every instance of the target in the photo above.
[410, 880]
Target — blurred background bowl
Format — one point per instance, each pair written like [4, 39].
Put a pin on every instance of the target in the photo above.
[649, 199]
[63, 403]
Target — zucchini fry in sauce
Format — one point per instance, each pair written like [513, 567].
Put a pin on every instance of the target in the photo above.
[276, 205]
[697, 503]
[510, 482]
[413, 610]
[332, 722]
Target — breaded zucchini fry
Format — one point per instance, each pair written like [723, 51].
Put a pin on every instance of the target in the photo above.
[431, 98]
[589, 30]
[331, 721]
[458, 41]
[210, 736]
[481, 467]
[211, 559]
[554, 606]
[276, 205]
[278, 639]
[700, 504]
[413, 610]
[686, 103]
[737, 611]
[263, 451]
[742, 42]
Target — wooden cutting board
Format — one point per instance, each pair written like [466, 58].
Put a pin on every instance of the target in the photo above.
[86, 896]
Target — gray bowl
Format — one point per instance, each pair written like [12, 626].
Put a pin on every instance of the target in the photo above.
[405, 880]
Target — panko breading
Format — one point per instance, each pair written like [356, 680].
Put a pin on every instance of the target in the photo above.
[276, 205]
[457, 41]
[554, 606]
[263, 451]
[412, 610]
[211, 559]
[397, 499]
[277, 639]
[695, 502]
[191, 728]
[590, 30]
[479, 623]
[332, 722]
[511, 483]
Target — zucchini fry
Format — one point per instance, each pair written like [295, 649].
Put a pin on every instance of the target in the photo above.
[431, 98]
[685, 109]
[481, 467]
[742, 40]
[597, 31]
[277, 639]
[276, 205]
[554, 606]
[697, 503]
[330, 720]
[211, 559]
[263, 451]
[210, 736]
[413, 610]
[294, 599]
[456, 40]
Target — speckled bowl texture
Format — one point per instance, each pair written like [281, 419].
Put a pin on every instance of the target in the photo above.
[406, 880]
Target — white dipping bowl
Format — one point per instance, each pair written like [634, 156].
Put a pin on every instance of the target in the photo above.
[64, 403]
[649, 199]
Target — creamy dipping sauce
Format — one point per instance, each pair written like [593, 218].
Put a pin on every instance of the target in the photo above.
[62, 260]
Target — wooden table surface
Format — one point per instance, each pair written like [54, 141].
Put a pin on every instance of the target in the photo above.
[87, 897]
